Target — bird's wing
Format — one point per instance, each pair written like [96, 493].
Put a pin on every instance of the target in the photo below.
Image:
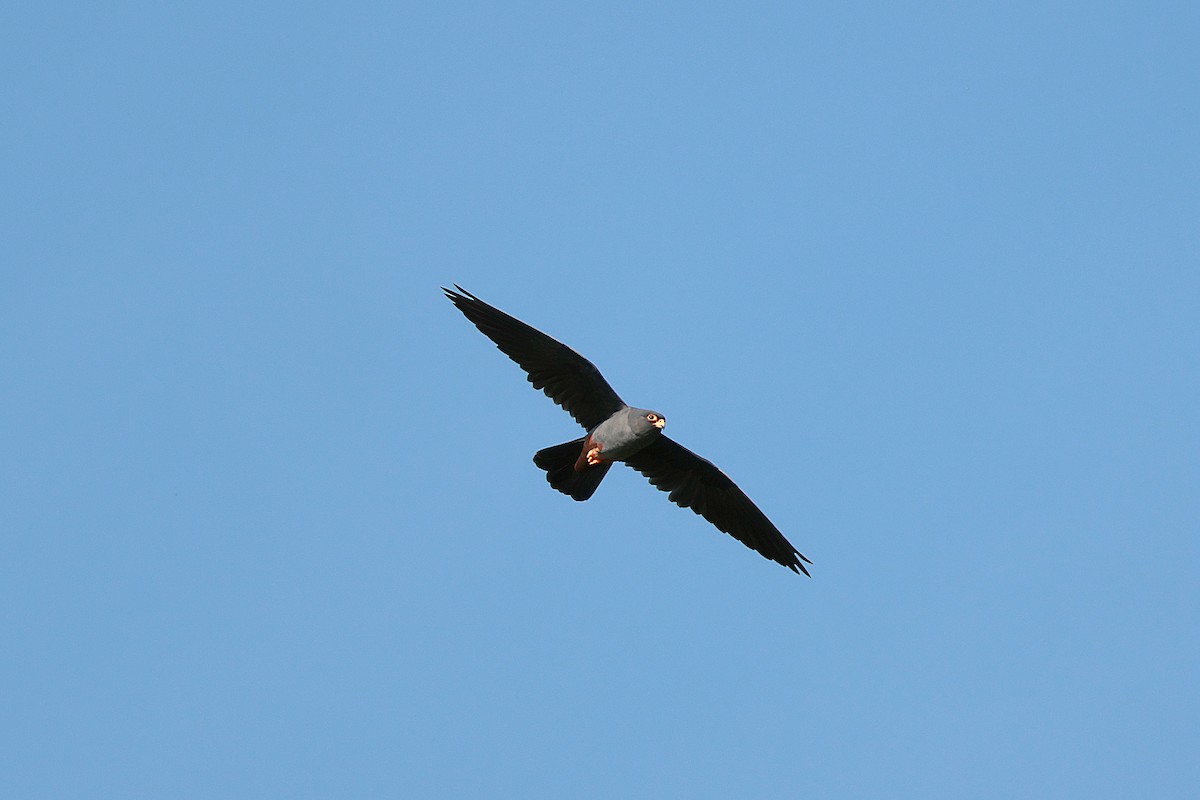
[696, 483]
[566, 377]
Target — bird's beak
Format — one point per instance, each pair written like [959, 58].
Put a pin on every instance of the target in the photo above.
[660, 423]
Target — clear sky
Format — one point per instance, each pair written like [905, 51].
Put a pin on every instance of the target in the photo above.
[923, 278]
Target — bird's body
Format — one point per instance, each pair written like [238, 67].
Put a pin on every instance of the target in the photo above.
[576, 467]
[619, 432]
[626, 432]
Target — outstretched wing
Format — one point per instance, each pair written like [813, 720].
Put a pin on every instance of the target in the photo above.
[696, 483]
[566, 377]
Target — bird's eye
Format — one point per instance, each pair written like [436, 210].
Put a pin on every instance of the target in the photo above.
[652, 417]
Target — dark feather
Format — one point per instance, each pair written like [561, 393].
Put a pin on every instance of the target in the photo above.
[695, 483]
[566, 377]
[559, 463]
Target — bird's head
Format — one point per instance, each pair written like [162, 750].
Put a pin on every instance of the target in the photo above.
[646, 421]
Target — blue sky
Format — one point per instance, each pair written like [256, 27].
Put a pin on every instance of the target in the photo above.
[923, 280]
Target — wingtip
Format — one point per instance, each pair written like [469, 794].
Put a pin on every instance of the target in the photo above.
[458, 294]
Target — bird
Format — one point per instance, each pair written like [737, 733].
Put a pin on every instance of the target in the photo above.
[616, 431]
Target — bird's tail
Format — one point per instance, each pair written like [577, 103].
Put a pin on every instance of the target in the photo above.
[559, 463]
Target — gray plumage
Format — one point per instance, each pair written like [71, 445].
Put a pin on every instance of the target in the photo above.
[626, 432]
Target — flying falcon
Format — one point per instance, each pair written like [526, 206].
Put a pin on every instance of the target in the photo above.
[618, 432]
